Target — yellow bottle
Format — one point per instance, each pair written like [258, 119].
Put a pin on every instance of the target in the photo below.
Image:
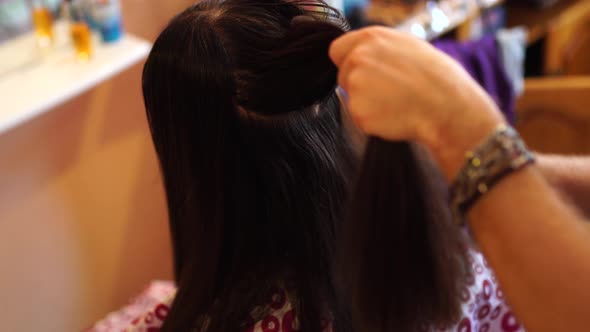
[43, 23]
[82, 39]
[79, 30]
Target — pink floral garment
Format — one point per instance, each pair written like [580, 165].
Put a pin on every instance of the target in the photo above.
[484, 308]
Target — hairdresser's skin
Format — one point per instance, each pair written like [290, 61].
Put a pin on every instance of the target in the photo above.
[570, 176]
[401, 88]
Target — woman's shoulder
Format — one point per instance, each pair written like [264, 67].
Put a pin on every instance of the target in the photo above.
[484, 307]
[146, 312]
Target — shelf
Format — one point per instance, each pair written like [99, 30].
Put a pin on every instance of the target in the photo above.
[453, 14]
[487, 4]
[33, 82]
[537, 21]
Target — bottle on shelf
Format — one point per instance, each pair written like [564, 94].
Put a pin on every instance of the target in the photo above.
[15, 18]
[42, 22]
[106, 14]
[79, 30]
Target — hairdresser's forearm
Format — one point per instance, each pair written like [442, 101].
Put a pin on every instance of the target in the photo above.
[540, 250]
[537, 244]
[570, 176]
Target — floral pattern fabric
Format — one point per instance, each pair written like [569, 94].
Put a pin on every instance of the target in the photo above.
[484, 308]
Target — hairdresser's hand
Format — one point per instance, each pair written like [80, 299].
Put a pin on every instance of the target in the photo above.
[401, 88]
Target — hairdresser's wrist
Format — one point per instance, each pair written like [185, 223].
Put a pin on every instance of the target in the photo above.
[450, 142]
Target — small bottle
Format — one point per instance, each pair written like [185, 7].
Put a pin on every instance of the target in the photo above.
[87, 8]
[43, 23]
[107, 15]
[15, 19]
[79, 30]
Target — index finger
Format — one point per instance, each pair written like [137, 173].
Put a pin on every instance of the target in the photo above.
[344, 44]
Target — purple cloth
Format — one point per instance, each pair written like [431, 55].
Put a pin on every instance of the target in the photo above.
[481, 58]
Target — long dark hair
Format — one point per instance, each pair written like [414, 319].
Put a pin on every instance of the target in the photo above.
[258, 168]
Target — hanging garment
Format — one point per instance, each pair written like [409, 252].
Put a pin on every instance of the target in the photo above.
[512, 43]
[481, 58]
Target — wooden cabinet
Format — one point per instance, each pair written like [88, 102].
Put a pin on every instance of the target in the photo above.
[554, 111]
[553, 114]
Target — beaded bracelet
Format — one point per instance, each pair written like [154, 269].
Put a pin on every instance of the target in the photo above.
[501, 154]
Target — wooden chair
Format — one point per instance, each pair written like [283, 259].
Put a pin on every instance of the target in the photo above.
[553, 114]
[568, 42]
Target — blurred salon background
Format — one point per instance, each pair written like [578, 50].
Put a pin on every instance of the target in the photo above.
[83, 224]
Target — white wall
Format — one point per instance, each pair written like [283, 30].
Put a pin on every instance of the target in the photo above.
[83, 225]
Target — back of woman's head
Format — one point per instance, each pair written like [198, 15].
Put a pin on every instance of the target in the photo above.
[246, 123]
[257, 167]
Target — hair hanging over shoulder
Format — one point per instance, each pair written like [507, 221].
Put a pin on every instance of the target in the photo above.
[261, 177]
[402, 259]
